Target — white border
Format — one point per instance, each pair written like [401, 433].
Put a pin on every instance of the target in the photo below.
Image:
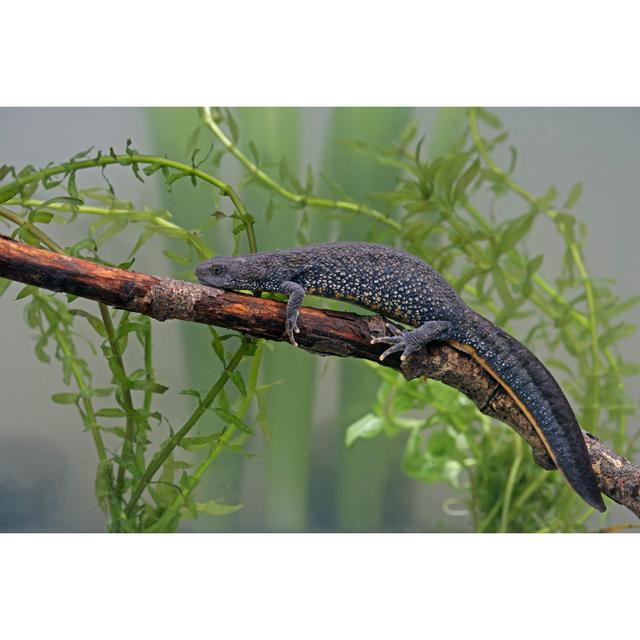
[284, 52]
[330, 53]
[318, 586]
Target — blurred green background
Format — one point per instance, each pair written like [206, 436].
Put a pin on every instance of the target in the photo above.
[303, 478]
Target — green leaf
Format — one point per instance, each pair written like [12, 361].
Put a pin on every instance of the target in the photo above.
[254, 152]
[489, 118]
[39, 349]
[177, 464]
[229, 417]
[436, 462]
[37, 215]
[87, 243]
[94, 321]
[574, 196]
[9, 191]
[142, 239]
[216, 343]
[71, 186]
[191, 392]
[130, 151]
[27, 236]
[466, 179]
[61, 200]
[196, 443]
[308, 186]
[82, 154]
[236, 378]
[514, 231]
[26, 291]
[367, 427]
[102, 392]
[620, 331]
[126, 265]
[535, 264]
[150, 169]
[416, 153]
[5, 170]
[113, 229]
[4, 285]
[177, 257]
[111, 412]
[147, 385]
[28, 190]
[233, 127]
[194, 155]
[503, 291]
[514, 159]
[616, 309]
[104, 484]
[283, 169]
[408, 134]
[215, 508]
[33, 315]
[629, 369]
[188, 510]
[65, 398]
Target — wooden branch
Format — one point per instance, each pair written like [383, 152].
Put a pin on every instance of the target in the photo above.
[321, 332]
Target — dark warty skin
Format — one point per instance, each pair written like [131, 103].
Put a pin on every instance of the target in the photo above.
[402, 287]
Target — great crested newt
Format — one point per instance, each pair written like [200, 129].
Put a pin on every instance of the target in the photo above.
[403, 287]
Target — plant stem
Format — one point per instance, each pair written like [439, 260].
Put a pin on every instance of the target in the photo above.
[531, 488]
[35, 231]
[127, 400]
[67, 350]
[148, 366]
[169, 513]
[85, 392]
[168, 447]
[299, 198]
[486, 521]
[511, 481]
[134, 215]
[135, 158]
[573, 248]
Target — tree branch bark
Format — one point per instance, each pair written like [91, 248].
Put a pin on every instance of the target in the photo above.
[322, 332]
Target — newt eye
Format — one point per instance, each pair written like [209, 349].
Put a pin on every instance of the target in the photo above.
[217, 270]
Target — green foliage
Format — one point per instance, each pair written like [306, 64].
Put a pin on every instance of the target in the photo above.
[149, 473]
[572, 320]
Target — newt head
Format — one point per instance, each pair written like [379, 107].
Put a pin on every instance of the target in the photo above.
[231, 272]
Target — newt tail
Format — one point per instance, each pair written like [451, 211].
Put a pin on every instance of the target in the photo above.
[539, 397]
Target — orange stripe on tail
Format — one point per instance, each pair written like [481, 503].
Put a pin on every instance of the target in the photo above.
[487, 367]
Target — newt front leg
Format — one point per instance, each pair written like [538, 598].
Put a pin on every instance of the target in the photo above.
[296, 294]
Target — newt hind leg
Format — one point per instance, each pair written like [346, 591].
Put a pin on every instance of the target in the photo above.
[411, 341]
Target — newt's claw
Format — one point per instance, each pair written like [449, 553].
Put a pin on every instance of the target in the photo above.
[291, 327]
[397, 341]
[398, 344]
[386, 340]
[395, 330]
